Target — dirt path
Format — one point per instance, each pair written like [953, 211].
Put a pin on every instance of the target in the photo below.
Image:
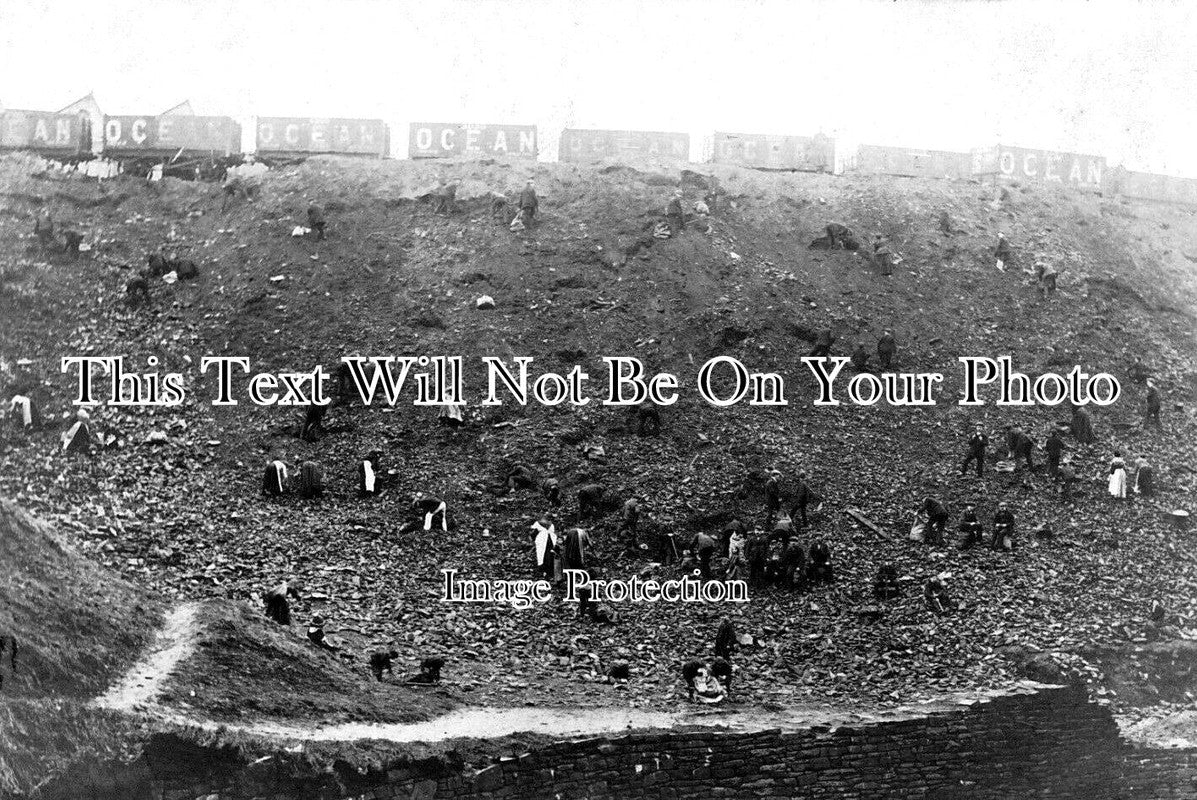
[494, 722]
[141, 685]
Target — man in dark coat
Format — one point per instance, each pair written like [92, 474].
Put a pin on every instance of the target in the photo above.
[970, 527]
[1153, 405]
[1055, 451]
[383, 661]
[529, 203]
[976, 451]
[937, 520]
[629, 518]
[552, 491]
[802, 498]
[313, 422]
[772, 495]
[839, 235]
[675, 213]
[823, 344]
[43, 228]
[1020, 446]
[887, 349]
[885, 583]
[1082, 425]
[311, 480]
[818, 566]
[277, 607]
[704, 547]
[936, 596]
[1145, 478]
[1003, 528]
[733, 527]
[860, 359]
[575, 550]
[590, 500]
[757, 552]
[316, 220]
[783, 528]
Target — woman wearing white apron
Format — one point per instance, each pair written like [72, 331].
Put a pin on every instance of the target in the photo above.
[1117, 480]
[546, 548]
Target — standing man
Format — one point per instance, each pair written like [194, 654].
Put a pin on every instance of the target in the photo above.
[629, 519]
[43, 228]
[576, 549]
[887, 349]
[976, 451]
[529, 203]
[1082, 425]
[1153, 405]
[772, 496]
[704, 547]
[1144, 478]
[802, 498]
[675, 213]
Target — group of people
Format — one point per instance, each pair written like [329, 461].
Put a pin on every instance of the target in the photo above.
[309, 484]
[47, 241]
[276, 601]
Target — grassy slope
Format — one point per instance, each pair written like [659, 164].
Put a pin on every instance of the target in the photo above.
[247, 667]
[77, 628]
[394, 279]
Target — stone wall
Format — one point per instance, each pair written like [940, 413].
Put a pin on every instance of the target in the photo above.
[1160, 774]
[1046, 743]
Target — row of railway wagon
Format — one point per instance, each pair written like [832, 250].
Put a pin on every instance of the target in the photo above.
[81, 132]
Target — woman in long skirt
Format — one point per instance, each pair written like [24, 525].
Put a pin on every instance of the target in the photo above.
[1117, 480]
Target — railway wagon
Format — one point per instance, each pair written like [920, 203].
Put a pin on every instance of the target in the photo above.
[766, 151]
[170, 133]
[446, 139]
[1039, 166]
[1150, 186]
[312, 135]
[45, 132]
[911, 162]
[583, 144]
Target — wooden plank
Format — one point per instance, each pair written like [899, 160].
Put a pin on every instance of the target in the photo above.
[863, 520]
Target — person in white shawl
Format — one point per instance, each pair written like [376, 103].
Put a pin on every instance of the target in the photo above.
[274, 480]
[367, 473]
[546, 547]
[21, 409]
[1117, 479]
[79, 438]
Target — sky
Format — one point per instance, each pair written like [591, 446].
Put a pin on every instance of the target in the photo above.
[1106, 78]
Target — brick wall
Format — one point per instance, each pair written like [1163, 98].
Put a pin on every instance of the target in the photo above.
[1048, 743]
